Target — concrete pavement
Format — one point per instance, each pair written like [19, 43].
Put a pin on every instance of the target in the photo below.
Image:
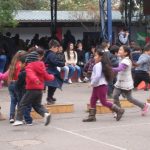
[68, 132]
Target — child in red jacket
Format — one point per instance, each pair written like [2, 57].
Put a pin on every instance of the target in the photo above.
[35, 76]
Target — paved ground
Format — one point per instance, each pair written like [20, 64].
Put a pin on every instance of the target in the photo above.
[68, 132]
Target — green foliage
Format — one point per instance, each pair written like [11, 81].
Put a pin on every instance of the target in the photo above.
[7, 12]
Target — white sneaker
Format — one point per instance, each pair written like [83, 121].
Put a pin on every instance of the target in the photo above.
[11, 120]
[17, 123]
[79, 80]
[69, 81]
[85, 79]
[47, 118]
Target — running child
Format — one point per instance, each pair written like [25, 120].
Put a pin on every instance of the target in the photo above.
[101, 75]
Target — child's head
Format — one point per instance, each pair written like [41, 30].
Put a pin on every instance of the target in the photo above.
[79, 45]
[147, 49]
[32, 57]
[54, 45]
[40, 51]
[13, 63]
[124, 51]
[114, 49]
[105, 44]
[23, 61]
[100, 56]
[93, 49]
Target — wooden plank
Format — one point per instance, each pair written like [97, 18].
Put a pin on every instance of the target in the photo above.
[102, 109]
[148, 100]
[55, 109]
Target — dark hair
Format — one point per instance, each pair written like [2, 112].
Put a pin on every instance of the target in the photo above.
[147, 47]
[106, 67]
[38, 49]
[53, 43]
[114, 49]
[127, 50]
[22, 59]
[68, 51]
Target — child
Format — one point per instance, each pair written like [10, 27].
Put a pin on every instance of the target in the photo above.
[20, 90]
[143, 67]
[14, 70]
[100, 76]
[35, 76]
[61, 57]
[52, 61]
[124, 82]
[88, 68]
[3, 76]
[71, 60]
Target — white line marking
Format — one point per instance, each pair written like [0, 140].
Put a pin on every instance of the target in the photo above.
[125, 125]
[91, 139]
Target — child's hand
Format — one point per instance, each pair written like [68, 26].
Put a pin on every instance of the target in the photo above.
[38, 82]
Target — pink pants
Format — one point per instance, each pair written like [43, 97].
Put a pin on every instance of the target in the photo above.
[100, 93]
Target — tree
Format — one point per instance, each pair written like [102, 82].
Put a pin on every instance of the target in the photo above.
[7, 13]
[34, 4]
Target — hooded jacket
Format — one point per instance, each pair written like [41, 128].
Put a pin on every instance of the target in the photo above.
[36, 75]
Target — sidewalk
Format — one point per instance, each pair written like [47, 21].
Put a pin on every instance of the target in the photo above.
[68, 132]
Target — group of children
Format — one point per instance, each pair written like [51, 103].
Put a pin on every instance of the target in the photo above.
[30, 72]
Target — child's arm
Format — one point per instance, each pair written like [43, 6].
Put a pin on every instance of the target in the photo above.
[4, 76]
[55, 60]
[121, 67]
[47, 77]
[96, 74]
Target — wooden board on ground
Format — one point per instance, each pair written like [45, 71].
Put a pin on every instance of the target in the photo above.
[102, 109]
[148, 100]
[55, 109]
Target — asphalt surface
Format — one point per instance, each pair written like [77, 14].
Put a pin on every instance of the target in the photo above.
[68, 132]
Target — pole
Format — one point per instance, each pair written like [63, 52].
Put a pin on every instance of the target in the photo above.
[109, 21]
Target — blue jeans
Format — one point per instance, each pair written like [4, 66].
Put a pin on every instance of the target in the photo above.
[66, 72]
[87, 57]
[3, 60]
[13, 99]
[72, 69]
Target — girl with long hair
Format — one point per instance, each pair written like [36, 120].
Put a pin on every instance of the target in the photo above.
[14, 70]
[101, 75]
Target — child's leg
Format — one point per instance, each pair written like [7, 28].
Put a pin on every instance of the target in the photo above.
[14, 100]
[102, 94]
[50, 94]
[133, 100]
[92, 110]
[27, 116]
[116, 94]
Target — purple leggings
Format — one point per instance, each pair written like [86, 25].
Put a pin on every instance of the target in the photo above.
[100, 93]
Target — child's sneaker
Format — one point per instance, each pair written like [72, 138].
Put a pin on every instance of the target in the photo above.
[47, 118]
[29, 124]
[79, 80]
[145, 109]
[85, 80]
[69, 81]
[12, 120]
[17, 123]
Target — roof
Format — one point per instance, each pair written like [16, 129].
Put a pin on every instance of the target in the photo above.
[62, 16]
